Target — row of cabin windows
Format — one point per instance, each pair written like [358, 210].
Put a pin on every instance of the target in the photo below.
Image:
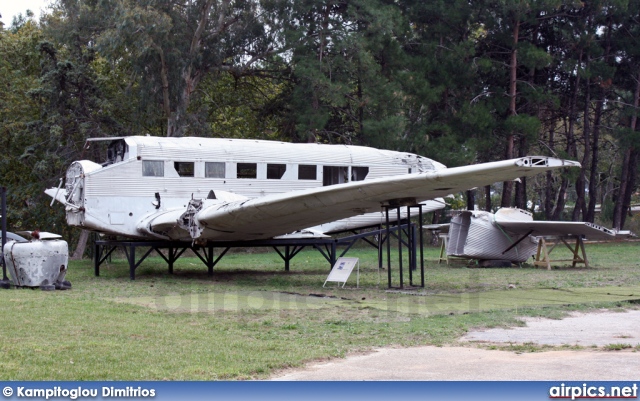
[331, 174]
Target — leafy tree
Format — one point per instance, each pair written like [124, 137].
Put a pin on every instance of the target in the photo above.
[243, 107]
[627, 81]
[19, 70]
[444, 120]
[169, 46]
[344, 65]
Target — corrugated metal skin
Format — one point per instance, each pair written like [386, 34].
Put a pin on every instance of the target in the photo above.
[125, 178]
[184, 189]
[474, 236]
[458, 232]
[239, 150]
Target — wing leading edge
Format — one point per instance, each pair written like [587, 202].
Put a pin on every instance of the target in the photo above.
[279, 214]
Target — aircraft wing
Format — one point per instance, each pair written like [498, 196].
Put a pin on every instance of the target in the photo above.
[279, 214]
[589, 231]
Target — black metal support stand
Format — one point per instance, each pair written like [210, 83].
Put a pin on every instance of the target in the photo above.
[171, 251]
[406, 235]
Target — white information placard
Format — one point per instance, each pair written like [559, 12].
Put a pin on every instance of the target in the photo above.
[342, 270]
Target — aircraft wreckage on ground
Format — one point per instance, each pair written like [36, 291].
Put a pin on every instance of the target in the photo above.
[39, 261]
[215, 189]
[511, 235]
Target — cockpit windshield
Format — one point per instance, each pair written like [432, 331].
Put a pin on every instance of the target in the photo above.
[116, 151]
[105, 151]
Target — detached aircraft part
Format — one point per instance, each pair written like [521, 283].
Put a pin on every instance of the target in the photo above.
[475, 235]
[38, 263]
[511, 234]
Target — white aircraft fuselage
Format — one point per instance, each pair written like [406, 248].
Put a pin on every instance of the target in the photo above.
[145, 178]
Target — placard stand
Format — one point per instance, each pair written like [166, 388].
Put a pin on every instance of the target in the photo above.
[342, 270]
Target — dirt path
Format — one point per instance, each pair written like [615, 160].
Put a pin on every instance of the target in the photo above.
[468, 363]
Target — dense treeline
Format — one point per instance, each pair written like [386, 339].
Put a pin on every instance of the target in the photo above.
[461, 81]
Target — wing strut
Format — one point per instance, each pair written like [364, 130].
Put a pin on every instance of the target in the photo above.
[517, 242]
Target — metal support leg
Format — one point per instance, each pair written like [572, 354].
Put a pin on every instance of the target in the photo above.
[287, 258]
[398, 224]
[210, 259]
[334, 252]
[171, 259]
[411, 243]
[420, 215]
[380, 245]
[131, 255]
[388, 245]
[96, 259]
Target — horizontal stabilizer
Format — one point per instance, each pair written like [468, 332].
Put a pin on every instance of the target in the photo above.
[57, 194]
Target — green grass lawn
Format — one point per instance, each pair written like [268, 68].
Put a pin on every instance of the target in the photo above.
[252, 318]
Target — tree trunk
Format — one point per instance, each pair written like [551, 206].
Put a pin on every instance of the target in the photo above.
[471, 199]
[507, 186]
[521, 186]
[166, 102]
[176, 121]
[549, 194]
[586, 131]
[618, 209]
[631, 186]
[628, 176]
[560, 201]
[82, 245]
[590, 213]
[571, 146]
[487, 198]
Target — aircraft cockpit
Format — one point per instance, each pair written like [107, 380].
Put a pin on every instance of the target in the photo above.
[106, 151]
[116, 151]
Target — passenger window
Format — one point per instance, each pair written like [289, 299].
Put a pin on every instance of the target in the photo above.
[184, 169]
[152, 168]
[359, 173]
[307, 172]
[247, 170]
[214, 170]
[332, 175]
[275, 171]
